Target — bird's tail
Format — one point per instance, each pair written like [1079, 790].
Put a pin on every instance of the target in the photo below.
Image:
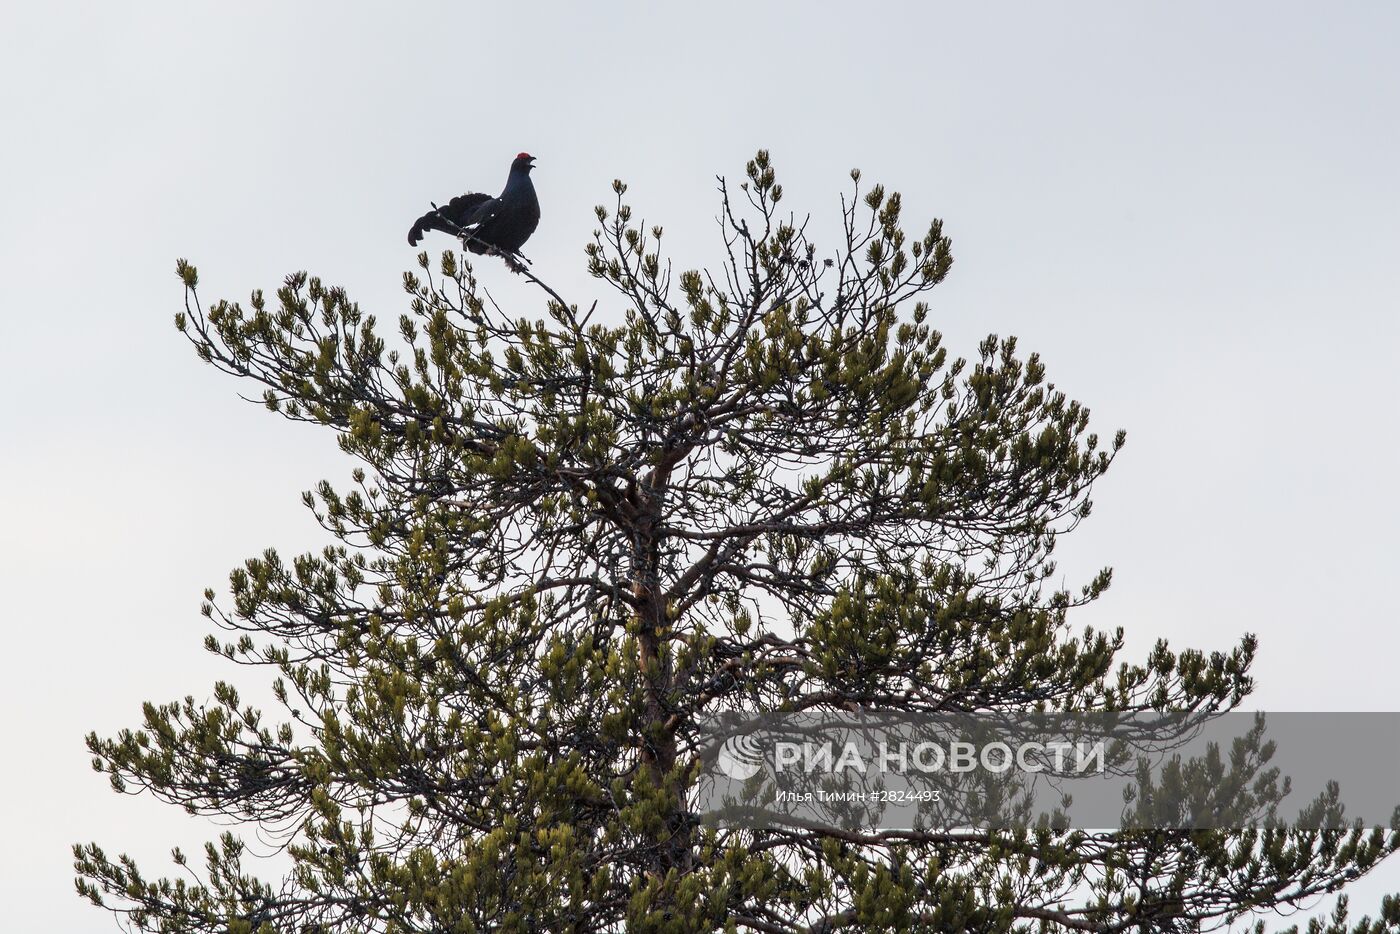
[429, 221]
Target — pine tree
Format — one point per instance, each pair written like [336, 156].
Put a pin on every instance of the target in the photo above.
[766, 487]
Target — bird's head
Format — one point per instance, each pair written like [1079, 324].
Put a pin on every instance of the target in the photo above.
[524, 162]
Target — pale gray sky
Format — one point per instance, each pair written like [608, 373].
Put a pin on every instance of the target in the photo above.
[1192, 210]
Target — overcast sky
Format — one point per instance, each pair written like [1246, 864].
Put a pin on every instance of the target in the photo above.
[1192, 210]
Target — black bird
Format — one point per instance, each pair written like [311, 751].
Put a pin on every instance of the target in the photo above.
[500, 224]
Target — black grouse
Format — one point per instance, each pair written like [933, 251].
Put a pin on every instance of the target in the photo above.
[499, 224]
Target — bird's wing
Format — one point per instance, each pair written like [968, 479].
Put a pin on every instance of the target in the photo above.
[461, 211]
